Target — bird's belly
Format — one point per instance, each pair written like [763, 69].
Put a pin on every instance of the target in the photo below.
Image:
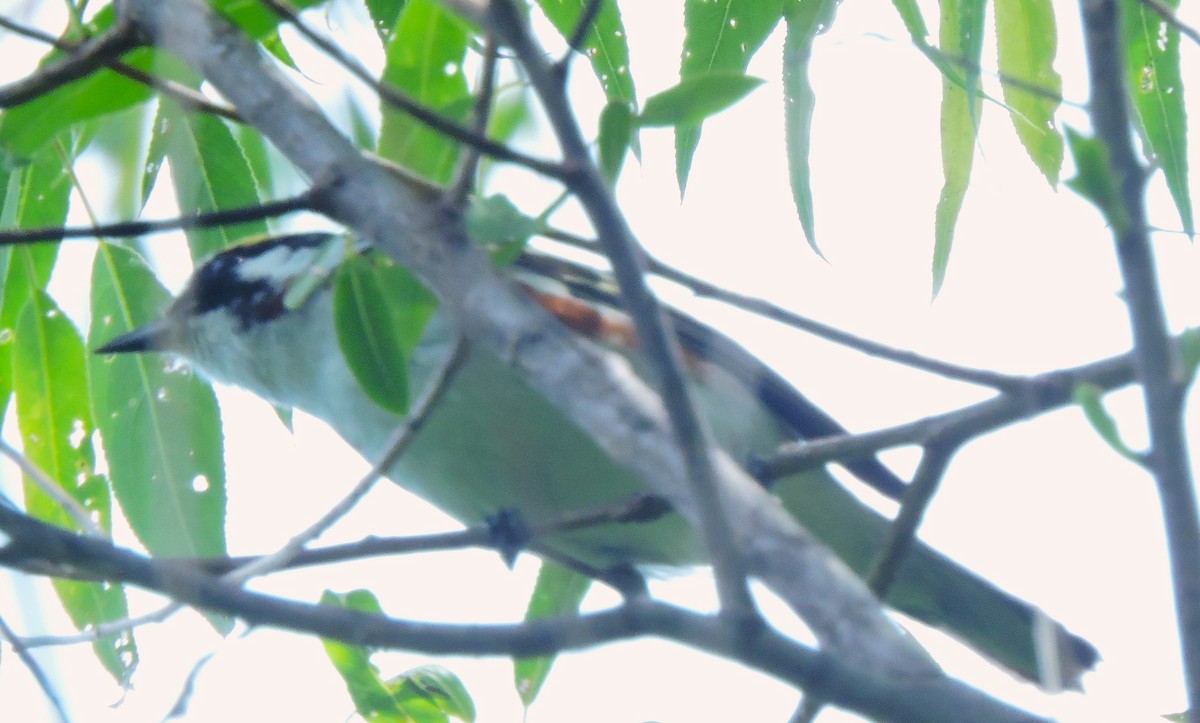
[492, 444]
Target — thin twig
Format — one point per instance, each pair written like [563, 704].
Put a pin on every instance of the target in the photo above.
[1158, 366]
[659, 345]
[206, 219]
[399, 442]
[8, 635]
[95, 53]
[189, 98]
[926, 698]
[761, 307]
[903, 531]
[435, 121]
[1045, 393]
[464, 178]
[53, 490]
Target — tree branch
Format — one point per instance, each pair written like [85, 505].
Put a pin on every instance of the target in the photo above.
[1042, 393]
[920, 698]
[761, 307]
[1158, 366]
[98, 52]
[207, 219]
[8, 635]
[592, 389]
[657, 339]
[188, 98]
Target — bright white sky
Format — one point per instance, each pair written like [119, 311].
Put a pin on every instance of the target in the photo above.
[1044, 508]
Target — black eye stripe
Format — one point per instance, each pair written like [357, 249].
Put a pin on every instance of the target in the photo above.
[218, 284]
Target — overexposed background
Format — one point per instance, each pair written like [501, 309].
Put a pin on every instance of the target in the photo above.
[1044, 508]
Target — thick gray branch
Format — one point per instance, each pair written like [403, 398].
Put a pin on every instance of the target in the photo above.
[597, 392]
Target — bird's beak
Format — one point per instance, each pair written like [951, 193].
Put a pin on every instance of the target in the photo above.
[154, 336]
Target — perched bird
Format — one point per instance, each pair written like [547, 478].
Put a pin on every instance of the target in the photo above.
[260, 316]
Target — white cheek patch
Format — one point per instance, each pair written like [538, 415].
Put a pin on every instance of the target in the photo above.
[278, 266]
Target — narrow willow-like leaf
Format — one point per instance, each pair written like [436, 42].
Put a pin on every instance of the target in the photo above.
[605, 45]
[958, 146]
[721, 35]
[160, 425]
[1155, 82]
[695, 98]
[558, 591]
[805, 20]
[1091, 400]
[35, 195]
[1027, 41]
[614, 138]
[209, 172]
[55, 418]
[368, 336]
[970, 43]
[425, 59]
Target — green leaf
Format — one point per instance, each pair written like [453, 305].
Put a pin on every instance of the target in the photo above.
[409, 301]
[1155, 82]
[615, 136]
[55, 418]
[383, 16]
[696, 98]
[558, 591]
[605, 45]
[496, 223]
[1189, 352]
[1090, 398]
[26, 128]
[368, 336]
[371, 697]
[970, 48]
[160, 425]
[805, 20]
[959, 110]
[1094, 179]
[425, 60]
[720, 35]
[914, 21]
[209, 172]
[1027, 41]
[433, 686]
[35, 195]
[427, 693]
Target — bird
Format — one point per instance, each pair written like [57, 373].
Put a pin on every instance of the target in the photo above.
[260, 315]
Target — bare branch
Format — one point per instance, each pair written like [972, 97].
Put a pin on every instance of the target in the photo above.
[464, 178]
[208, 219]
[187, 97]
[591, 388]
[926, 698]
[761, 307]
[95, 53]
[658, 341]
[400, 441]
[1043, 393]
[53, 490]
[1158, 366]
[18, 645]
